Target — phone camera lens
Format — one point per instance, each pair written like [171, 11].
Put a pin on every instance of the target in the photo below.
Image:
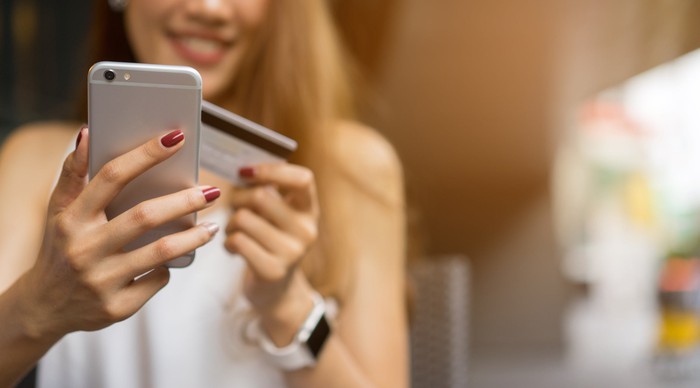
[109, 75]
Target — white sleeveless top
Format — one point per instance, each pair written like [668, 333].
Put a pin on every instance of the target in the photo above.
[187, 335]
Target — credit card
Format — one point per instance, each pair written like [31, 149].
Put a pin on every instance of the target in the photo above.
[229, 142]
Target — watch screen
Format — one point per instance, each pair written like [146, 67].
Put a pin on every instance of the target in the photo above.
[318, 337]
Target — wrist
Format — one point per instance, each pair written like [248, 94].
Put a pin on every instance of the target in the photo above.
[21, 342]
[305, 348]
[31, 323]
[282, 321]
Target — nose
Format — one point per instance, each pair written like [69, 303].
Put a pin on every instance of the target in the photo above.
[210, 11]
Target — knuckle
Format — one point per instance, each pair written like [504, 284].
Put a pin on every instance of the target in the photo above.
[163, 276]
[275, 273]
[230, 225]
[306, 177]
[233, 242]
[295, 249]
[144, 215]
[63, 225]
[111, 172]
[237, 240]
[151, 151]
[115, 311]
[229, 245]
[75, 262]
[239, 217]
[164, 249]
[95, 282]
[203, 236]
[74, 253]
[195, 199]
[259, 196]
[309, 231]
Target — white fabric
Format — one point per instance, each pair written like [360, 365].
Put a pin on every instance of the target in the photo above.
[188, 335]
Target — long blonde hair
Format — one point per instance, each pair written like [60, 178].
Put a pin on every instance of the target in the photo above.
[296, 80]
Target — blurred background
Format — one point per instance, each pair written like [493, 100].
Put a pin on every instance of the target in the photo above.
[550, 153]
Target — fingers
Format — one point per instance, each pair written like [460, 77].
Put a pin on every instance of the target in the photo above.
[113, 176]
[73, 176]
[268, 226]
[264, 265]
[268, 237]
[135, 295]
[267, 202]
[158, 253]
[295, 179]
[153, 213]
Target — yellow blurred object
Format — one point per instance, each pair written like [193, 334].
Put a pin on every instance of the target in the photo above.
[680, 330]
[638, 200]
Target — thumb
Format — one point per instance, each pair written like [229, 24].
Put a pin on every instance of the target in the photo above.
[73, 177]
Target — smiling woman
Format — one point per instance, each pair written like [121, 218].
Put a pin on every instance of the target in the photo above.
[204, 34]
[303, 285]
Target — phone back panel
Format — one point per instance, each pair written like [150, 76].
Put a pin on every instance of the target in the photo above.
[142, 102]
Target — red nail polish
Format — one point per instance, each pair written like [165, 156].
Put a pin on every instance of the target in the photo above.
[211, 193]
[80, 136]
[246, 172]
[172, 138]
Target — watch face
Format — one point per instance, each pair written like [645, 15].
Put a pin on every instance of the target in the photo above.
[318, 336]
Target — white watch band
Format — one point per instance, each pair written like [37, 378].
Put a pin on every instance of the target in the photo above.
[300, 353]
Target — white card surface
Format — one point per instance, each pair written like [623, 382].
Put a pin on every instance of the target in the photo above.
[230, 142]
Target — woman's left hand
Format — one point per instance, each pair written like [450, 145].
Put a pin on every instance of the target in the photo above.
[273, 226]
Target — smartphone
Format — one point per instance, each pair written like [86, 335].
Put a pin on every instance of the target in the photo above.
[230, 142]
[130, 103]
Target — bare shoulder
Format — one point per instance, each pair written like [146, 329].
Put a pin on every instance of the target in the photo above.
[43, 135]
[51, 137]
[30, 161]
[36, 152]
[369, 161]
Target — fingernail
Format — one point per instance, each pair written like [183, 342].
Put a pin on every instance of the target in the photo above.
[211, 227]
[172, 138]
[211, 193]
[246, 172]
[80, 136]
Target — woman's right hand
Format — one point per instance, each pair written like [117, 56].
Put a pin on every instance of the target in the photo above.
[82, 279]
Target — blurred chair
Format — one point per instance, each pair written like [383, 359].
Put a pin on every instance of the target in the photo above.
[440, 322]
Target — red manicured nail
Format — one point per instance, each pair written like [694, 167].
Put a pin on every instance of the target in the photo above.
[80, 136]
[246, 172]
[211, 193]
[172, 138]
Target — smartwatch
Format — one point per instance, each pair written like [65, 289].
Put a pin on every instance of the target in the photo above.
[307, 343]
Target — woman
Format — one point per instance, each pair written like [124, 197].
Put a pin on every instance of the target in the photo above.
[331, 222]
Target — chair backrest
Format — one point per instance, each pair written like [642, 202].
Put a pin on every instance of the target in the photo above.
[440, 322]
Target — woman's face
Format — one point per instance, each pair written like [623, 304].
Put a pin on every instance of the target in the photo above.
[209, 35]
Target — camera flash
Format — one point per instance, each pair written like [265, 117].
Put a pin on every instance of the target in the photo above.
[127, 76]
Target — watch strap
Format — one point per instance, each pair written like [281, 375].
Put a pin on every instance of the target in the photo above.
[305, 346]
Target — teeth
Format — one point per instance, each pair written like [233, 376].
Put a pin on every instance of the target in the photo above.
[203, 46]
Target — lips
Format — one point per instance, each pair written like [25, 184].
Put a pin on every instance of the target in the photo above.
[199, 50]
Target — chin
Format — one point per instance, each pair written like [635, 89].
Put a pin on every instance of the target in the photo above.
[212, 88]
[213, 94]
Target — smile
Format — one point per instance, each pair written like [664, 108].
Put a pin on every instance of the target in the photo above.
[201, 51]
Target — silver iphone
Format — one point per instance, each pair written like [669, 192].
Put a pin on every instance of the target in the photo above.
[130, 103]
